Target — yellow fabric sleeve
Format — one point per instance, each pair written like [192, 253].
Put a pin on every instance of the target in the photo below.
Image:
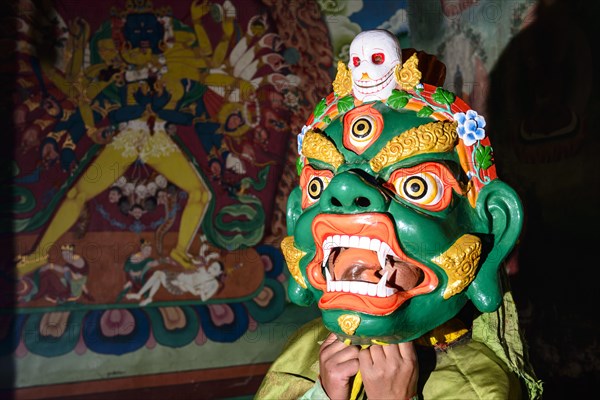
[467, 370]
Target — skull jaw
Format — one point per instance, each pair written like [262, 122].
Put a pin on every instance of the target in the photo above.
[375, 88]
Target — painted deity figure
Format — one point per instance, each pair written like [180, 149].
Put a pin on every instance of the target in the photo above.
[153, 70]
[202, 282]
[59, 283]
[136, 268]
[398, 227]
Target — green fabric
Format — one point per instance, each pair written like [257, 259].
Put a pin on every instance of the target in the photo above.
[500, 332]
[487, 367]
[471, 371]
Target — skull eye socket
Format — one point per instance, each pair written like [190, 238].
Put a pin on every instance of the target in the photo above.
[378, 58]
[356, 61]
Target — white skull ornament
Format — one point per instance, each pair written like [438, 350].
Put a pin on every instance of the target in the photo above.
[374, 55]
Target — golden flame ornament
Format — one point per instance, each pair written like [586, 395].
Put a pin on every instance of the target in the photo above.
[408, 76]
[342, 85]
[318, 146]
[460, 263]
[292, 258]
[348, 323]
[439, 136]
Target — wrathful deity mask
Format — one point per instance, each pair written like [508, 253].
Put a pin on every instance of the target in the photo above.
[399, 218]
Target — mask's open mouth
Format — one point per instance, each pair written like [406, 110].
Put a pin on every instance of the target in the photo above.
[367, 267]
[360, 266]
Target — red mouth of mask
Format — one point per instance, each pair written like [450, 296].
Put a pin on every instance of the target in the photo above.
[360, 266]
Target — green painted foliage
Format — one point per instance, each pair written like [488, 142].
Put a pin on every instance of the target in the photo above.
[398, 99]
[345, 104]
[443, 96]
[483, 157]
[320, 108]
[425, 112]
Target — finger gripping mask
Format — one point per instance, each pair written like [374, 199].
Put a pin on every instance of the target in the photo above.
[399, 218]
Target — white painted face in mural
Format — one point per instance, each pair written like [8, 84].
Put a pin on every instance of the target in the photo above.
[373, 57]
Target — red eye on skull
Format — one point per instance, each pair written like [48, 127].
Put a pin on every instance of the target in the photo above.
[378, 58]
[356, 61]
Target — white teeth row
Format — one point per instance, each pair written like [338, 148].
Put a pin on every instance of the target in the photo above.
[371, 82]
[358, 287]
[374, 86]
[358, 242]
[374, 89]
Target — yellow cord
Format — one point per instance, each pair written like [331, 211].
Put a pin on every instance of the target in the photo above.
[358, 382]
[356, 386]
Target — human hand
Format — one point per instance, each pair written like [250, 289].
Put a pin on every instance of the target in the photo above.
[338, 364]
[389, 371]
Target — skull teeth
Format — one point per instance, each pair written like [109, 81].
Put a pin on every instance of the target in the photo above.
[373, 86]
[358, 287]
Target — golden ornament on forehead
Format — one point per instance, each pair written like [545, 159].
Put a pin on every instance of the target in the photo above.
[348, 323]
[319, 147]
[409, 75]
[460, 263]
[434, 137]
[342, 85]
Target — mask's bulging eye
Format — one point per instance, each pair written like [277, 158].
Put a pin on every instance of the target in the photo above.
[378, 58]
[424, 188]
[356, 61]
[315, 187]
[362, 127]
[428, 185]
[313, 182]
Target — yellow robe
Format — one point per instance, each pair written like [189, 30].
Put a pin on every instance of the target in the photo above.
[470, 369]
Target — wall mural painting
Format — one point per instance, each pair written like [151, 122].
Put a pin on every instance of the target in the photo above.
[151, 139]
[347, 18]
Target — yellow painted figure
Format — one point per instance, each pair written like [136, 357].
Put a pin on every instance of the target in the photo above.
[147, 66]
[133, 142]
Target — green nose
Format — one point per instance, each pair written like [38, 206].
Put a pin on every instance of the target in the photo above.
[349, 192]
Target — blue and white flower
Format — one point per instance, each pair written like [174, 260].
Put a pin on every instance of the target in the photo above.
[470, 127]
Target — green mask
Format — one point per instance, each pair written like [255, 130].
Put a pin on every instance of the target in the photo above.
[399, 218]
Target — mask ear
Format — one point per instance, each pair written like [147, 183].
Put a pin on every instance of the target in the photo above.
[294, 209]
[500, 208]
